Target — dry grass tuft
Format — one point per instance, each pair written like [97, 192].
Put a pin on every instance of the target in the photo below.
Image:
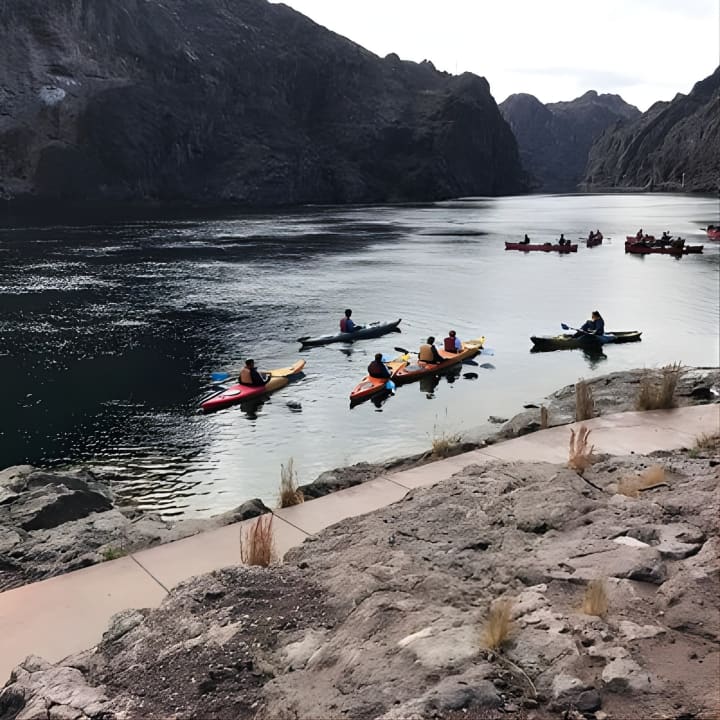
[632, 485]
[659, 394]
[708, 442]
[257, 544]
[544, 419]
[289, 493]
[443, 443]
[580, 456]
[584, 401]
[498, 625]
[595, 600]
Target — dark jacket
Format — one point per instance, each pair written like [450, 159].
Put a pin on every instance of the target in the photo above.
[378, 370]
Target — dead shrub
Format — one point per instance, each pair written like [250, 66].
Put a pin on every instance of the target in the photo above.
[584, 401]
[498, 625]
[632, 485]
[580, 456]
[257, 542]
[595, 600]
[708, 442]
[444, 443]
[658, 393]
[289, 493]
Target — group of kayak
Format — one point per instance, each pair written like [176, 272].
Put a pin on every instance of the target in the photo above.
[642, 244]
[384, 374]
[562, 245]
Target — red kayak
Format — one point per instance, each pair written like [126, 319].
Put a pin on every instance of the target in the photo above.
[594, 240]
[636, 248]
[546, 247]
[413, 372]
[237, 393]
[369, 385]
[713, 233]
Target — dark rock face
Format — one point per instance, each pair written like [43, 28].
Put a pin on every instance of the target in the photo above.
[554, 139]
[669, 140]
[245, 102]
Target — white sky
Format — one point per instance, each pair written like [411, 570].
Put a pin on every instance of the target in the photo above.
[644, 50]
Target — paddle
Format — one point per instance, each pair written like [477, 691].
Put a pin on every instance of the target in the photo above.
[567, 327]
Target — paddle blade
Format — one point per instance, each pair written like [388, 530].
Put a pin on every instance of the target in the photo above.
[564, 326]
[217, 377]
[401, 350]
[390, 385]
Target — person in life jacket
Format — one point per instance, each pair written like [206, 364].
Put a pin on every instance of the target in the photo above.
[452, 343]
[250, 376]
[346, 324]
[429, 353]
[378, 369]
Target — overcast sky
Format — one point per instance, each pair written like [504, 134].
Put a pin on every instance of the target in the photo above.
[644, 50]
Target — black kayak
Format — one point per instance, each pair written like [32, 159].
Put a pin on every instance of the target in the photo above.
[372, 330]
[567, 342]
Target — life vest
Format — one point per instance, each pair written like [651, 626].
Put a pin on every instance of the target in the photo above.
[245, 376]
[449, 344]
[343, 325]
[426, 353]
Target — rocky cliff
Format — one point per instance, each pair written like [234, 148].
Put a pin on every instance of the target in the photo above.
[673, 146]
[247, 102]
[554, 139]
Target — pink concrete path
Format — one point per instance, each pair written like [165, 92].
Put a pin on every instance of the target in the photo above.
[66, 614]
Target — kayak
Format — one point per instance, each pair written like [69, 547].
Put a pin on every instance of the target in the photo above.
[635, 248]
[595, 241]
[713, 233]
[568, 342]
[369, 386]
[373, 330]
[420, 368]
[546, 247]
[238, 393]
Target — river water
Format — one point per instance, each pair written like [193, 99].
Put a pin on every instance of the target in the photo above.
[109, 330]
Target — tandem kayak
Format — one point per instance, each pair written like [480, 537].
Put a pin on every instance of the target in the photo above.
[420, 369]
[546, 247]
[595, 240]
[373, 330]
[568, 342]
[238, 393]
[370, 386]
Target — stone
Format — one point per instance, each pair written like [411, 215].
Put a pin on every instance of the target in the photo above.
[632, 631]
[624, 674]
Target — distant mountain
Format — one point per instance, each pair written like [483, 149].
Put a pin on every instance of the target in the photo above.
[674, 145]
[246, 102]
[554, 139]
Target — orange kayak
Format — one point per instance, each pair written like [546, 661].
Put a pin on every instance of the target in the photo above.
[419, 369]
[368, 386]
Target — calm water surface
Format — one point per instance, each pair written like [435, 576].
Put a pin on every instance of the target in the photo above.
[109, 331]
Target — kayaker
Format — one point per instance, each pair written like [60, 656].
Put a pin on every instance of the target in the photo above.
[594, 326]
[377, 368]
[452, 343]
[346, 324]
[562, 239]
[429, 353]
[250, 376]
[526, 240]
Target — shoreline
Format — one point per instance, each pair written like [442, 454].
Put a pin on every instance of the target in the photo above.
[53, 522]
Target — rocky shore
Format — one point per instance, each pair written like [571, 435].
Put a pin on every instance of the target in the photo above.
[56, 522]
[383, 616]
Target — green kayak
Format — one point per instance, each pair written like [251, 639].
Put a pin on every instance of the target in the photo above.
[544, 343]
